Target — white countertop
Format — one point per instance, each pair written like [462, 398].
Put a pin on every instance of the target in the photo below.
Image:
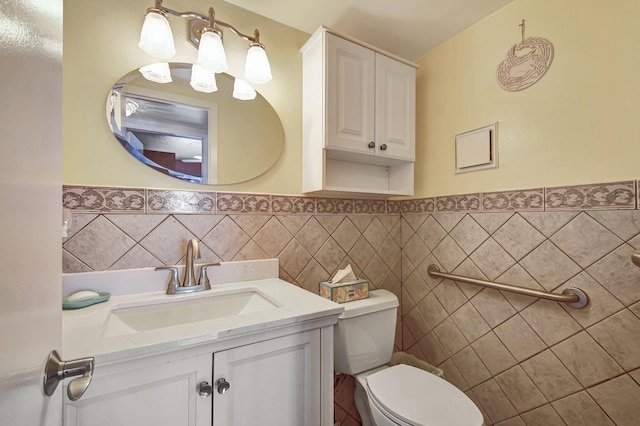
[90, 332]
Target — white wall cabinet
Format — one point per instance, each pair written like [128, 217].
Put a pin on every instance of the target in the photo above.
[358, 117]
[271, 382]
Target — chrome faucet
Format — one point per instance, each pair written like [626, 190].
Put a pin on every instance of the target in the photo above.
[193, 252]
[190, 282]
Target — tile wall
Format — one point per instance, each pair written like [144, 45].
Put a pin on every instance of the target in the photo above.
[523, 361]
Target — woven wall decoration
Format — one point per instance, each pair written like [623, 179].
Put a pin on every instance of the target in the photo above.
[516, 72]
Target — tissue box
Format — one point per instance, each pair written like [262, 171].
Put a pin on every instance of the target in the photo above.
[344, 291]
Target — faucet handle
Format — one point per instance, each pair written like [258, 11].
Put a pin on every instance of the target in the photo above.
[204, 279]
[174, 281]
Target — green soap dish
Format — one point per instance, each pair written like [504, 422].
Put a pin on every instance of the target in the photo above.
[102, 297]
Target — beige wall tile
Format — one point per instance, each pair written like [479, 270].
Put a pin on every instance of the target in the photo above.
[493, 353]
[586, 360]
[520, 390]
[619, 335]
[470, 366]
[542, 416]
[620, 399]
[519, 338]
[550, 376]
[493, 401]
[580, 409]
[550, 321]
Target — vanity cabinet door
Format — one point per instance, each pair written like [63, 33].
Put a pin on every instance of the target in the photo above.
[275, 382]
[146, 394]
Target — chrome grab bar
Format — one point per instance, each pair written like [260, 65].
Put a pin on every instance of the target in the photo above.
[574, 297]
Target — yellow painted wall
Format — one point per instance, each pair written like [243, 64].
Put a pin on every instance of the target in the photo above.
[100, 46]
[578, 124]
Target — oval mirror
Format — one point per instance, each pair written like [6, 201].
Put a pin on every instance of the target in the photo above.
[209, 138]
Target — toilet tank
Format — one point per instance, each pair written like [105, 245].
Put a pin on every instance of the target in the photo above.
[364, 335]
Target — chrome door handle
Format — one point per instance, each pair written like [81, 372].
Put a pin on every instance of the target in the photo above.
[205, 390]
[56, 370]
[222, 386]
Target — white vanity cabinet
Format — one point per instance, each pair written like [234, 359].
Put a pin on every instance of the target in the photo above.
[358, 117]
[271, 382]
[276, 382]
[147, 392]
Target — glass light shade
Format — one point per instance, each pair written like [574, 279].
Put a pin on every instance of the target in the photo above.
[158, 73]
[257, 68]
[156, 38]
[203, 79]
[211, 52]
[243, 90]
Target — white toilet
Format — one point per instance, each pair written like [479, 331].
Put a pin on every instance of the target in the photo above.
[399, 395]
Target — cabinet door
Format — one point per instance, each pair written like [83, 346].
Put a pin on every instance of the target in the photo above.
[350, 77]
[275, 382]
[155, 394]
[395, 109]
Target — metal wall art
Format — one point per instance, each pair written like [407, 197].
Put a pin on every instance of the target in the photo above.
[517, 73]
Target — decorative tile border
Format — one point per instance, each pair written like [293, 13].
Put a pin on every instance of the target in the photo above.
[458, 203]
[394, 207]
[87, 199]
[421, 205]
[243, 203]
[159, 201]
[529, 200]
[284, 204]
[615, 195]
[370, 207]
[334, 206]
[96, 199]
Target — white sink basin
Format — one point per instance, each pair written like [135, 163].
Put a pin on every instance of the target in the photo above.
[169, 311]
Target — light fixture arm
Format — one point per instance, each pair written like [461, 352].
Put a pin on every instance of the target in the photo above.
[162, 9]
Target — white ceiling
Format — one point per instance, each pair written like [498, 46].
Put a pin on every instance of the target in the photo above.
[407, 28]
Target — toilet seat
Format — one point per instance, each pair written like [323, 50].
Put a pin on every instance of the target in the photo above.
[410, 396]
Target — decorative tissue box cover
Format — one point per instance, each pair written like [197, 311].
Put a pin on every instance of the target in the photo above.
[344, 291]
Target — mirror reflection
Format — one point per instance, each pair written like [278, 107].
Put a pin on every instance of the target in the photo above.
[209, 138]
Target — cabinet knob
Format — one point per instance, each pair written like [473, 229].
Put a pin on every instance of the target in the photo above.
[205, 390]
[372, 145]
[383, 147]
[223, 386]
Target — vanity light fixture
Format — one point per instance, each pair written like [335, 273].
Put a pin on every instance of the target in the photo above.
[156, 39]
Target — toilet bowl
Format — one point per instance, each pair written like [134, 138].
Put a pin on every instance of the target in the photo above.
[407, 396]
[400, 395]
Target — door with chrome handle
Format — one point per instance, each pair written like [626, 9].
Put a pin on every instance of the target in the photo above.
[56, 370]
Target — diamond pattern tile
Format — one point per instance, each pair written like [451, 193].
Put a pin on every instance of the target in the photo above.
[549, 265]
[585, 240]
[468, 234]
[431, 233]
[312, 236]
[492, 259]
[226, 239]
[99, 244]
[506, 350]
[518, 237]
[615, 273]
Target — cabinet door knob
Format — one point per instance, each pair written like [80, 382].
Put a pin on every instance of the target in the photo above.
[383, 147]
[223, 386]
[205, 390]
[372, 145]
